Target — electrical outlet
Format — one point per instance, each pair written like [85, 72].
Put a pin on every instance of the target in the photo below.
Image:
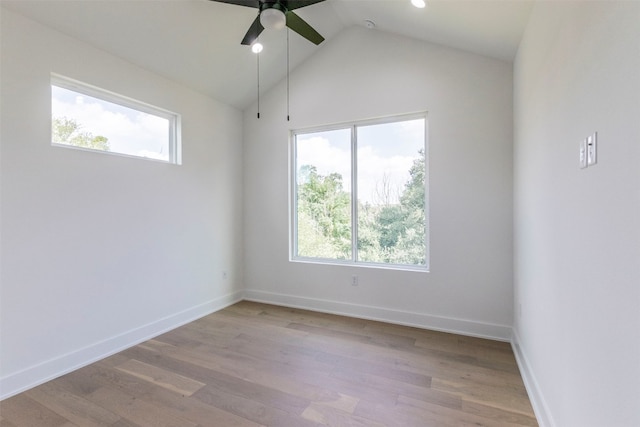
[520, 310]
[354, 280]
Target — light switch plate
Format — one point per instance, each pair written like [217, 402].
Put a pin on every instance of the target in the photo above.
[583, 154]
[592, 149]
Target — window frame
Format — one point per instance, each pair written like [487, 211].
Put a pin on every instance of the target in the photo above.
[174, 119]
[293, 196]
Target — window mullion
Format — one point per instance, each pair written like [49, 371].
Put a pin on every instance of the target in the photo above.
[293, 182]
[354, 194]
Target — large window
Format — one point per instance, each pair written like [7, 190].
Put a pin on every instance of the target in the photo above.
[86, 117]
[359, 193]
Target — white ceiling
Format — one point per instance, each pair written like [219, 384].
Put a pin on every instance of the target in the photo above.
[197, 42]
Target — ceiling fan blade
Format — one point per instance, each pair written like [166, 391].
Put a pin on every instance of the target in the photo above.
[247, 3]
[254, 31]
[298, 25]
[297, 4]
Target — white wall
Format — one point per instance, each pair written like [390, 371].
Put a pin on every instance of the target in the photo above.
[101, 251]
[577, 250]
[363, 74]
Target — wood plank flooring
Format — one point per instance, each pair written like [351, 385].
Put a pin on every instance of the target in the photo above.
[256, 365]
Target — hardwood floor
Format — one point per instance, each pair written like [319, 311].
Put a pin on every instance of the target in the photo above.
[260, 365]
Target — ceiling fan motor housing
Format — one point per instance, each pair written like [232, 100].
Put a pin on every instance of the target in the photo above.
[277, 14]
[273, 4]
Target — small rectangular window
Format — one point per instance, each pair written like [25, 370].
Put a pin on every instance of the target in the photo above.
[86, 117]
[360, 193]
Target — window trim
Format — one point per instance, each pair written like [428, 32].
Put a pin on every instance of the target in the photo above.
[293, 200]
[175, 119]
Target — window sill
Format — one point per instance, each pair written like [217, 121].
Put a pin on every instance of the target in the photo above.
[338, 263]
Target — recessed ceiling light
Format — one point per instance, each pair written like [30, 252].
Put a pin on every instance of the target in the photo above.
[421, 4]
[256, 47]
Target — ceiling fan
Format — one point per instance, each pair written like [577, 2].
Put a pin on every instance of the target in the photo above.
[276, 14]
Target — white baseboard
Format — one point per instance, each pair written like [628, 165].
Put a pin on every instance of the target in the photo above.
[406, 318]
[35, 375]
[23, 380]
[540, 407]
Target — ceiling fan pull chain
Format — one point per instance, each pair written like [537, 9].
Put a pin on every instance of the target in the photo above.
[258, 78]
[287, 74]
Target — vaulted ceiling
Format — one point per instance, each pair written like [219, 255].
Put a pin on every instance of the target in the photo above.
[197, 42]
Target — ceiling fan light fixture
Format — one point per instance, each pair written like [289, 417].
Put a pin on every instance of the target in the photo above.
[273, 19]
[420, 4]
